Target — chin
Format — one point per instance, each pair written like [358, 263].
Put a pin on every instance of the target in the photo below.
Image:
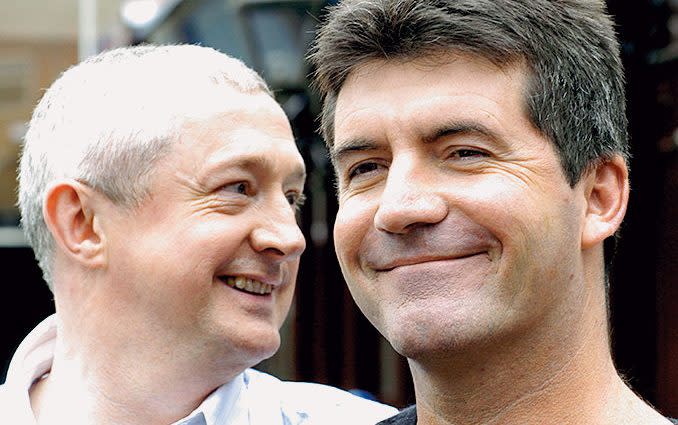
[245, 345]
[436, 334]
[261, 346]
[417, 346]
[421, 348]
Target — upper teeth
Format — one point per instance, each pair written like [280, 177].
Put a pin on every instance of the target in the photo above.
[249, 285]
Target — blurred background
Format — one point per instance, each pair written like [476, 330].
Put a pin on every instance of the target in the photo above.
[326, 339]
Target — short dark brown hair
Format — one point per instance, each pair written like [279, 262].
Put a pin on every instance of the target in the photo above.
[575, 94]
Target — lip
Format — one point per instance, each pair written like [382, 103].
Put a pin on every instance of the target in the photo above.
[275, 281]
[457, 237]
[413, 261]
[271, 284]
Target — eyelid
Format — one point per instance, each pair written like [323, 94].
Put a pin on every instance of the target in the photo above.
[235, 184]
[478, 152]
[351, 170]
[299, 200]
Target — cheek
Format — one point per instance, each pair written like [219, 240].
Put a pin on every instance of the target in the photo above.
[538, 225]
[511, 209]
[352, 223]
[181, 255]
[204, 247]
[285, 296]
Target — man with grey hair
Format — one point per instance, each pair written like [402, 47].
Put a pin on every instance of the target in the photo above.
[158, 187]
[480, 148]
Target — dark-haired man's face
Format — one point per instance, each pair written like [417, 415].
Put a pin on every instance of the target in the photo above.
[456, 225]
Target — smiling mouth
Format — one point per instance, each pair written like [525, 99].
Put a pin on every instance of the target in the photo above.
[427, 260]
[247, 285]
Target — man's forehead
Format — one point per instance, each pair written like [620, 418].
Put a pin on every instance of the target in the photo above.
[226, 102]
[246, 139]
[433, 58]
[251, 156]
[376, 75]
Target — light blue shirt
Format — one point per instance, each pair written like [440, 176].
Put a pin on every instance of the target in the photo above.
[252, 398]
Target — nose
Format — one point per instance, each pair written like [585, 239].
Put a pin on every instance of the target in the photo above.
[277, 235]
[409, 200]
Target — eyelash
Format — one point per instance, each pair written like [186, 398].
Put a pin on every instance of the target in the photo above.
[296, 200]
[459, 153]
[242, 187]
[462, 154]
[354, 171]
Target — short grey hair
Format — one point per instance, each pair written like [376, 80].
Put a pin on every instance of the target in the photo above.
[108, 120]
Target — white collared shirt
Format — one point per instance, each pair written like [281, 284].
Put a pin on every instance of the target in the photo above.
[252, 398]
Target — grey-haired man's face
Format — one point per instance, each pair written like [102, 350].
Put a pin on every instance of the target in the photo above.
[209, 259]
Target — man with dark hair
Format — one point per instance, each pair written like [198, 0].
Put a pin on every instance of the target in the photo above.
[481, 155]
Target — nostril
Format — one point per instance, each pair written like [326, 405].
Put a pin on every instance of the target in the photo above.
[408, 212]
[276, 251]
[278, 242]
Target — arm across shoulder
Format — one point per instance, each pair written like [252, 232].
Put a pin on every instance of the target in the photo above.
[310, 404]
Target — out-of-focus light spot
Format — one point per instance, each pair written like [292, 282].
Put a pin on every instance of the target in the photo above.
[138, 13]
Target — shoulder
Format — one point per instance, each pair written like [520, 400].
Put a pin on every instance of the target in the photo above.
[407, 416]
[317, 403]
[14, 408]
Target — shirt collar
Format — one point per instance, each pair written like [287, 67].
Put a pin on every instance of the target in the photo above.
[33, 358]
[220, 407]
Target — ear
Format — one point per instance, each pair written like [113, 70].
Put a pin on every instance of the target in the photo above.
[607, 195]
[70, 214]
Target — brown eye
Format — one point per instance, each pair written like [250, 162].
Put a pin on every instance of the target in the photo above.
[365, 167]
[295, 199]
[241, 188]
[468, 154]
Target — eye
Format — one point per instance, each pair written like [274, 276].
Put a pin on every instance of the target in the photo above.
[295, 199]
[241, 188]
[363, 168]
[467, 153]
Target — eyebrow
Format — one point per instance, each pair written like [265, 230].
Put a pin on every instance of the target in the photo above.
[450, 129]
[461, 128]
[255, 162]
[350, 146]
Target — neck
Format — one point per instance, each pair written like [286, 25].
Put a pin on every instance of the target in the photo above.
[108, 380]
[564, 377]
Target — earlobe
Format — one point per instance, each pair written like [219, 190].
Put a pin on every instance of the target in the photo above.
[607, 195]
[70, 216]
